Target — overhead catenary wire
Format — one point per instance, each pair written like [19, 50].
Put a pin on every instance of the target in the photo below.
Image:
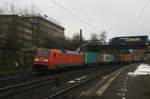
[84, 12]
[140, 15]
[75, 16]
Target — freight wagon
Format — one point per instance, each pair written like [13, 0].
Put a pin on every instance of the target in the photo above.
[50, 59]
[90, 58]
[129, 58]
[128, 40]
[98, 58]
[147, 58]
[106, 58]
[138, 58]
[122, 58]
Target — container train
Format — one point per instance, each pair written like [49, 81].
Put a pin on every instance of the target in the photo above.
[51, 59]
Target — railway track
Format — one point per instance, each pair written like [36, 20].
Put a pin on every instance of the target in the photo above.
[21, 78]
[74, 90]
[78, 90]
[13, 76]
[54, 84]
[14, 80]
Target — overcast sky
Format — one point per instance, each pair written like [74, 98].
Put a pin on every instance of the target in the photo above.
[117, 17]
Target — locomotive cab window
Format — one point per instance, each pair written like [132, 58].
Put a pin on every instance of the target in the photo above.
[43, 53]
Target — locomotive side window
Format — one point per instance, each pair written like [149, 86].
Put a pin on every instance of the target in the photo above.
[43, 53]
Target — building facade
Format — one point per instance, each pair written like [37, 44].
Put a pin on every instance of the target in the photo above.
[27, 32]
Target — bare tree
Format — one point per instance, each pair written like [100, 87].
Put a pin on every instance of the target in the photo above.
[103, 37]
[31, 10]
[76, 37]
[23, 11]
[68, 44]
[94, 38]
[76, 40]
[34, 9]
[11, 8]
[3, 7]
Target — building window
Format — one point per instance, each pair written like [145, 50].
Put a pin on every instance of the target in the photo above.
[28, 30]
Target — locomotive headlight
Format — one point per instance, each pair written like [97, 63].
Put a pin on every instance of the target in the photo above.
[45, 60]
[36, 59]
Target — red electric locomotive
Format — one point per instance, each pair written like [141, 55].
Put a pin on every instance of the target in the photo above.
[49, 59]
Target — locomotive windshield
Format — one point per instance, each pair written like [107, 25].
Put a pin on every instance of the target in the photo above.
[43, 53]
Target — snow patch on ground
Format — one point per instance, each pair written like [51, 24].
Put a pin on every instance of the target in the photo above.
[72, 81]
[77, 79]
[143, 69]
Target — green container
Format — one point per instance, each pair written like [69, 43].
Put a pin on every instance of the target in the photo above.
[90, 57]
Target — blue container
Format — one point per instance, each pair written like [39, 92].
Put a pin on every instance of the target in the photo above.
[128, 40]
[90, 57]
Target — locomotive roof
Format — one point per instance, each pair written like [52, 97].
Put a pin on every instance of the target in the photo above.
[60, 51]
[70, 52]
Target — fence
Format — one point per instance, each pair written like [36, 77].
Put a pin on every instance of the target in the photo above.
[12, 61]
